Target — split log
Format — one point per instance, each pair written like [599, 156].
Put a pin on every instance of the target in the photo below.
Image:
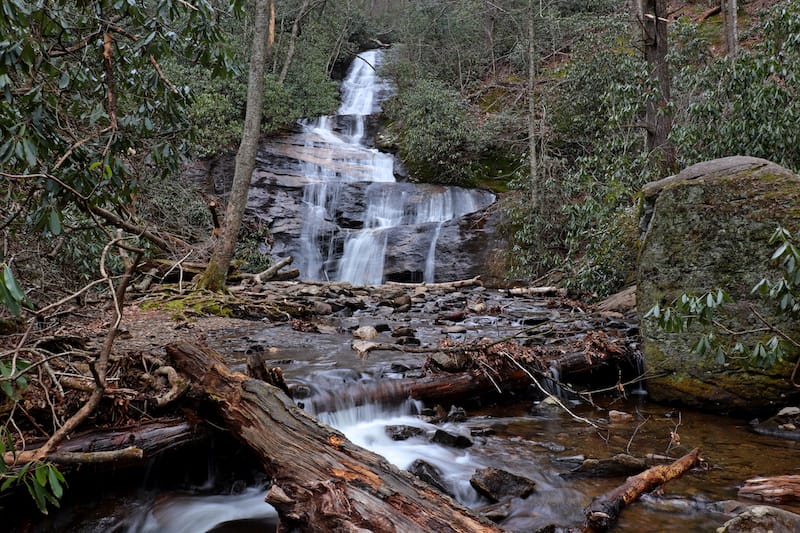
[321, 481]
[778, 489]
[604, 510]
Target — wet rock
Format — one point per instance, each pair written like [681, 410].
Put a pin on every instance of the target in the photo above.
[497, 484]
[449, 439]
[401, 432]
[619, 417]
[496, 512]
[408, 341]
[451, 361]
[322, 308]
[550, 446]
[454, 330]
[704, 228]
[456, 414]
[366, 333]
[429, 474]
[402, 301]
[762, 519]
[482, 432]
[382, 327]
[619, 465]
[403, 331]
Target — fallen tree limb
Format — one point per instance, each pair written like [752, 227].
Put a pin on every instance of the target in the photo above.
[604, 510]
[81, 458]
[152, 438]
[321, 481]
[476, 281]
[778, 489]
[271, 271]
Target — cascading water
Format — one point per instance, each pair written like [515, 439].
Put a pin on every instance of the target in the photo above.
[338, 163]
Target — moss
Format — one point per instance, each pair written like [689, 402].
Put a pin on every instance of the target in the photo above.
[192, 304]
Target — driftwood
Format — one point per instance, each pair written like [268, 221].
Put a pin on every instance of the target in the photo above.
[472, 282]
[778, 489]
[321, 481]
[604, 510]
[538, 291]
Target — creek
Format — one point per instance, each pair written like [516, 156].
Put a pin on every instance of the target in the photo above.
[307, 187]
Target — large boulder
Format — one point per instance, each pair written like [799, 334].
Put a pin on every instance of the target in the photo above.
[705, 228]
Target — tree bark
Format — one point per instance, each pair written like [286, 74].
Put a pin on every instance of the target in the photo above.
[658, 116]
[321, 481]
[730, 21]
[214, 276]
[604, 510]
[532, 160]
[293, 42]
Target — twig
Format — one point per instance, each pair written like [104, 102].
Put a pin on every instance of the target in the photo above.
[544, 391]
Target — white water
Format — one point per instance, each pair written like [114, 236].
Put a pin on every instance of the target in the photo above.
[343, 163]
[193, 514]
[365, 425]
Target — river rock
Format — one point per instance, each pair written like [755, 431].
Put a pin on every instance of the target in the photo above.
[762, 519]
[366, 333]
[401, 432]
[705, 228]
[498, 484]
[446, 438]
[429, 474]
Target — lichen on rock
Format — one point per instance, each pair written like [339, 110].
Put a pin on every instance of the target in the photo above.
[705, 228]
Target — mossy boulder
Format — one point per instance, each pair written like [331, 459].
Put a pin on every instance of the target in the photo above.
[706, 228]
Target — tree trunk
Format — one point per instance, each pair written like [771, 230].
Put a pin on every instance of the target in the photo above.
[321, 481]
[604, 510]
[729, 8]
[293, 42]
[658, 117]
[534, 166]
[263, 36]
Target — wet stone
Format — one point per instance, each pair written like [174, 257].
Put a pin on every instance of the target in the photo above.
[400, 432]
[456, 414]
[429, 474]
[449, 439]
[497, 484]
[403, 331]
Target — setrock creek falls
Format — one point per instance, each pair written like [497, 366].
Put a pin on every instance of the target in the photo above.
[333, 203]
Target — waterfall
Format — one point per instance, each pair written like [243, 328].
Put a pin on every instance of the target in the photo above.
[336, 164]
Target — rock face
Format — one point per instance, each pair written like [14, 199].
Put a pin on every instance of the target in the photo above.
[706, 228]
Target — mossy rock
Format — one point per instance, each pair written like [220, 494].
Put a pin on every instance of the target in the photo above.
[706, 228]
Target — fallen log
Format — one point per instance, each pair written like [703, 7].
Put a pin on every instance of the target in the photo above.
[271, 271]
[778, 489]
[320, 480]
[437, 388]
[472, 282]
[604, 510]
[152, 438]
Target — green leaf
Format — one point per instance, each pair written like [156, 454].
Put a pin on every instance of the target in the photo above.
[55, 483]
[5, 386]
[63, 81]
[39, 496]
[11, 284]
[41, 475]
[55, 222]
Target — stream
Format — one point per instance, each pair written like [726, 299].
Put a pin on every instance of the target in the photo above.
[324, 169]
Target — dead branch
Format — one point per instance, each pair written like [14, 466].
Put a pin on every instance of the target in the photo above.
[604, 510]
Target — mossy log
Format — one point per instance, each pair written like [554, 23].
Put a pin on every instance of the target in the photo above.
[320, 480]
[604, 510]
